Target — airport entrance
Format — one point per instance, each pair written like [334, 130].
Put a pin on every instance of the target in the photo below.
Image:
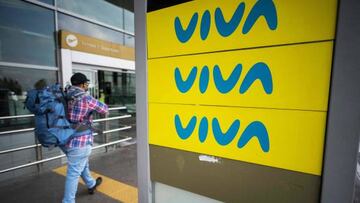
[115, 87]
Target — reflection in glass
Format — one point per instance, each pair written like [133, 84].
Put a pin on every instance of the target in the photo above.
[14, 82]
[47, 1]
[26, 33]
[129, 26]
[102, 11]
[117, 89]
[89, 29]
[129, 21]
[129, 41]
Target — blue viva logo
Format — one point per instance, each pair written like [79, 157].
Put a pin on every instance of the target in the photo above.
[254, 129]
[259, 71]
[265, 8]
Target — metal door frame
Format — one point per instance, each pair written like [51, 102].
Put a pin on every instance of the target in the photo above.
[94, 81]
[68, 57]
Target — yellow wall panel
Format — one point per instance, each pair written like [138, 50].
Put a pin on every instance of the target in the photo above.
[295, 138]
[278, 22]
[300, 76]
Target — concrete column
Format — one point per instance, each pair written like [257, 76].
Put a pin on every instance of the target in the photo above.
[144, 183]
[343, 126]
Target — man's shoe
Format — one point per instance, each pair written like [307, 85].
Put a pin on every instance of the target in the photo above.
[98, 182]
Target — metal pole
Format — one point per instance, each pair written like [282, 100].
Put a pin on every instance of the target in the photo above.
[112, 118]
[19, 149]
[18, 116]
[95, 121]
[106, 136]
[143, 163]
[38, 152]
[60, 156]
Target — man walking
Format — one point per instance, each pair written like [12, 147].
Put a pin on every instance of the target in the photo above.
[78, 149]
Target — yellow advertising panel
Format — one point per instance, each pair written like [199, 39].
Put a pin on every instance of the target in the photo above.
[206, 26]
[286, 139]
[286, 77]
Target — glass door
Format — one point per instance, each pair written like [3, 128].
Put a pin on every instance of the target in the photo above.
[112, 87]
[117, 88]
[92, 75]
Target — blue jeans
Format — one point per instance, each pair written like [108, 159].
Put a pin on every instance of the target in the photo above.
[77, 165]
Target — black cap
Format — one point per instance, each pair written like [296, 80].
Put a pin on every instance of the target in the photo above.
[78, 78]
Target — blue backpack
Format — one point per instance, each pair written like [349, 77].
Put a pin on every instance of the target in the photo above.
[52, 126]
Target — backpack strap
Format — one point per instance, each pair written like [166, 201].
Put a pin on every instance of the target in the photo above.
[61, 127]
[47, 120]
[77, 94]
[85, 124]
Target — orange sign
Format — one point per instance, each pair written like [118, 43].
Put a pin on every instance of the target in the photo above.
[78, 42]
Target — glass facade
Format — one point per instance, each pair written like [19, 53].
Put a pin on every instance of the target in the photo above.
[27, 33]
[51, 2]
[27, 36]
[129, 41]
[73, 24]
[28, 54]
[95, 10]
[14, 83]
[117, 88]
[129, 21]
[129, 26]
[118, 17]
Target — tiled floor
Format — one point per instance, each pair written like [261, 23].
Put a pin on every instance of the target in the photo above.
[119, 166]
